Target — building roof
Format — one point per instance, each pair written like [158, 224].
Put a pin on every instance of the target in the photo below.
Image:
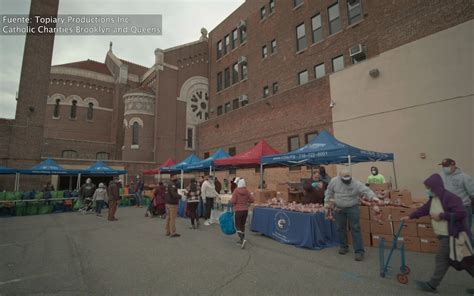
[135, 68]
[90, 65]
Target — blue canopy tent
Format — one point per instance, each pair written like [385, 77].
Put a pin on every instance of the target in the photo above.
[7, 171]
[326, 149]
[99, 168]
[208, 163]
[180, 167]
[46, 167]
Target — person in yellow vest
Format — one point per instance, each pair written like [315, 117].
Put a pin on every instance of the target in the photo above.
[375, 177]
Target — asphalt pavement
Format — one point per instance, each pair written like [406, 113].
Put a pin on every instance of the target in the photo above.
[73, 254]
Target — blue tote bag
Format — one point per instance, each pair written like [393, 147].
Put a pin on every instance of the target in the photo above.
[226, 221]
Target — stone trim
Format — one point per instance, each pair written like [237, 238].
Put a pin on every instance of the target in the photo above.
[184, 45]
[135, 119]
[67, 101]
[61, 70]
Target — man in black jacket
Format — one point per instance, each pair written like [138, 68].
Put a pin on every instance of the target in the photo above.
[172, 200]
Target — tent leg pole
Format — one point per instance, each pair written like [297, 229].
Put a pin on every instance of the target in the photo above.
[261, 175]
[394, 174]
[182, 178]
[312, 173]
[350, 164]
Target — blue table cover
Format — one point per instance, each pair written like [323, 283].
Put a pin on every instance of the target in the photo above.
[308, 230]
[182, 209]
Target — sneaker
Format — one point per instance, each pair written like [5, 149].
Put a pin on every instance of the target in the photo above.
[192, 227]
[175, 235]
[243, 244]
[359, 257]
[343, 251]
[168, 234]
[239, 242]
[424, 286]
[207, 223]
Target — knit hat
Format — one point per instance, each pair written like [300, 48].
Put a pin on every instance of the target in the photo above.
[236, 181]
[241, 183]
[101, 185]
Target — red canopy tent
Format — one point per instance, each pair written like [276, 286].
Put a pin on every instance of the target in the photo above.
[248, 159]
[167, 163]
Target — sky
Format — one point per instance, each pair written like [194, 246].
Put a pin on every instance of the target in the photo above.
[182, 23]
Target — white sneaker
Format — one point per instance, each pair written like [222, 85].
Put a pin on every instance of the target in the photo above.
[243, 244]
[207, 223]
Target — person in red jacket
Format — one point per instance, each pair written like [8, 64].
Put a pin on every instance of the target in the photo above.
[241, 198]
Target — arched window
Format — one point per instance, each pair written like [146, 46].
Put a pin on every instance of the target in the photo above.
[56, 109]
[90, 111]
[74, 109]
[102, 156]
[135, 128]
[69, 154]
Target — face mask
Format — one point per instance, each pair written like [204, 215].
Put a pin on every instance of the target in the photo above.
[429, 193]
[346, 180]
[447, 170]
[314, 184]
[374, 173]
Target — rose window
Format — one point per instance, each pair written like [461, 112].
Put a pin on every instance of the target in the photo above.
[199, 105]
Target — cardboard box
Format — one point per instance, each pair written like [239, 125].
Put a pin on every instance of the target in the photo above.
[399, 212]
[411, 243]
[429, 245]
[426, 230]
[425, 219]
[376, 238]
[260, 196]
[364, 212]
[384, 227]
[295, 197]
[380, 187]
[401, 197]
[270, 193]
[409, 228]
[365, 238]
[282, 187]
[386, 213]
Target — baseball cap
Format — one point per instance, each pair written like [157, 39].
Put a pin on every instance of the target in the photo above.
[447, 162]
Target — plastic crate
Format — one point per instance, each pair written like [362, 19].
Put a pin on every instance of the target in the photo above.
[44, 209]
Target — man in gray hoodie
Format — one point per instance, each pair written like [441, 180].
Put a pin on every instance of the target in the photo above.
[460, 184]
[343, 195]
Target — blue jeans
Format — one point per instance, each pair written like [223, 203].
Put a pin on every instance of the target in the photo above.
[138, 197]
[469, 221]
[351, 215]
[99, 204]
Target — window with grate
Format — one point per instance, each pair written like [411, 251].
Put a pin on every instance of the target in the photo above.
[90, 111]
[69, 154]
[135, 131]
[102, 156]
[56, 109]
[73, 109]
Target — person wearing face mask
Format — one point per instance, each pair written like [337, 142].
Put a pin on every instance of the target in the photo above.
[448, 218]
[460, 184]
[375, 177]
[342, 195]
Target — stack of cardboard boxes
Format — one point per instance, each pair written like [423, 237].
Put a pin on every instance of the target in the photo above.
[417, 235]
[263, 195]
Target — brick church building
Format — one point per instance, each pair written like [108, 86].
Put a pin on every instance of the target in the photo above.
[367, 71]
